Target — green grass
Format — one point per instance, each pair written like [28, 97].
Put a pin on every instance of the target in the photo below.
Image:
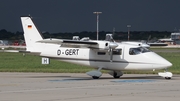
[174, 58]
[16, 62]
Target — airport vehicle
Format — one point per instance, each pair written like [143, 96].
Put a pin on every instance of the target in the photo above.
[99, 54]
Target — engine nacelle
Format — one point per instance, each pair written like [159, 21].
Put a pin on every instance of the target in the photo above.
[113, 45]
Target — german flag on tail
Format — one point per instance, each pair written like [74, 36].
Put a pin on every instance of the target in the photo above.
[29, 26]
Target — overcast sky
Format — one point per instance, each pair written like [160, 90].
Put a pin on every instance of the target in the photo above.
[77, 15]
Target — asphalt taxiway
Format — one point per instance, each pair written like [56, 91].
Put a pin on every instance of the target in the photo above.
[80, 87]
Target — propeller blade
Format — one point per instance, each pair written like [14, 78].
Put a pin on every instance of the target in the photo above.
[111, 54]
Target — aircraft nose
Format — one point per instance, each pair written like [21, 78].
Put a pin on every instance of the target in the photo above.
[164, 62]
[168, 64]
[159, 61]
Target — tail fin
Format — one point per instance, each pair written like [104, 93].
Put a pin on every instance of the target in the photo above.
[31, 34]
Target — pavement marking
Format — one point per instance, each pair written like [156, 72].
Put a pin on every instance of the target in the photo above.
[67, 80]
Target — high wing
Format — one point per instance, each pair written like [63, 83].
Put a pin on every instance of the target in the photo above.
[97, 45]
[105, 45]
[70, 43]
[60, 41]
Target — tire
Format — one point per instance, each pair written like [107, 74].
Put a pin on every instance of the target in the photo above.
[95, 77]
[167, 78]
[115, 75]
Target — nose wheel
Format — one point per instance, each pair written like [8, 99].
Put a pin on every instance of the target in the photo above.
[167, 78]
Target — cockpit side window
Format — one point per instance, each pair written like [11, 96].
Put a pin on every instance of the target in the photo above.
[139, 50]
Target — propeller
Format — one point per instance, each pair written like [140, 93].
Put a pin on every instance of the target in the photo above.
[112, 46]
[111, 54]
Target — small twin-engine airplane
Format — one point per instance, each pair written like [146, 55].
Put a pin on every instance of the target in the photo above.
[106, 54]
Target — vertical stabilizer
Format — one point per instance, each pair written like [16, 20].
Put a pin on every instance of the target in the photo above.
[31, 34]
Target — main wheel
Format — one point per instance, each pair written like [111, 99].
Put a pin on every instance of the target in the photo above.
[115, 75]
[95, 77]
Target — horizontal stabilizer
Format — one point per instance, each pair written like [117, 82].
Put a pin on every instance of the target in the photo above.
[52, 41]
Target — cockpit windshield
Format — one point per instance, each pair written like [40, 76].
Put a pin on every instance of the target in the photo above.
[139, 50]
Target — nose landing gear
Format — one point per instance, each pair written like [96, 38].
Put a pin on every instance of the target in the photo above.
[167, 75]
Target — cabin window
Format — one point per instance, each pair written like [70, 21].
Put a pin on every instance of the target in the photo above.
[139, 50]
[101, 53]
[117, 52]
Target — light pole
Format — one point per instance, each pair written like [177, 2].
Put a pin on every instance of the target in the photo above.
[97, 13]
[128, 26]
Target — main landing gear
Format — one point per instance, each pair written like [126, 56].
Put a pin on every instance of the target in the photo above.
[116, 74]
[96, 73]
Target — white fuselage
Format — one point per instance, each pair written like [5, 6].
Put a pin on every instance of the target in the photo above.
[96, 58]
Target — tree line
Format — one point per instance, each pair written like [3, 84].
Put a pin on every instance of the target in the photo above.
[120, 36]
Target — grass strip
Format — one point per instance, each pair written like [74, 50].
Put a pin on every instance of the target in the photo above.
[17, 62]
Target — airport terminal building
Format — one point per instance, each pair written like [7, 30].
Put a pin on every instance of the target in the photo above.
[176, 38]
